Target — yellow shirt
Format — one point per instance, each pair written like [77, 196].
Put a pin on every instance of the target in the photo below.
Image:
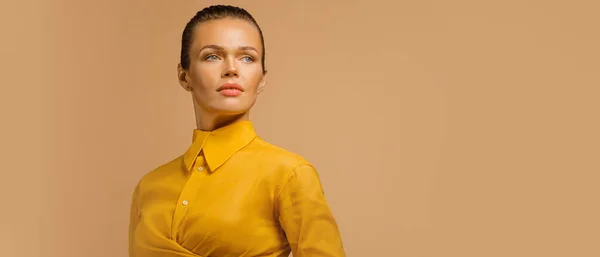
[232, 194]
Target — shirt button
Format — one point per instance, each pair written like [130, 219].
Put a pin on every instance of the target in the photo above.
[200, 169]
[185, 202]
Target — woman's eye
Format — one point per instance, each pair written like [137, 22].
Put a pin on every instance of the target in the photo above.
[247, 59]
[211, 57]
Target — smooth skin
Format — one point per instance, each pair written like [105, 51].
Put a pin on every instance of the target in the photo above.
[223, 51]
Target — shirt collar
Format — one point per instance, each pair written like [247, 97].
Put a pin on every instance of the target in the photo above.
[219, 145]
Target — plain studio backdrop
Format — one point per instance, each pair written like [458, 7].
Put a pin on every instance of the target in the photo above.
[440, 128]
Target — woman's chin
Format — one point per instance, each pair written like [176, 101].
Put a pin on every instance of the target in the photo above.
[231, 110]
[232, 106]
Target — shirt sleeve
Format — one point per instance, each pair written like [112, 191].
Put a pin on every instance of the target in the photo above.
[306, 218]
[133, 220]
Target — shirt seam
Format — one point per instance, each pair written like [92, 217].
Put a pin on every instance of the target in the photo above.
[282, 186]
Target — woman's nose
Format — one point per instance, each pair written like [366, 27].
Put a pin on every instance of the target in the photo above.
[230, 70]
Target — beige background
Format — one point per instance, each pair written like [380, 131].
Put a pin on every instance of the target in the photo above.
[440, 128]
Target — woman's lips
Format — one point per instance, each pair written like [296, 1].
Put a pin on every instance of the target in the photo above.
[230, 89]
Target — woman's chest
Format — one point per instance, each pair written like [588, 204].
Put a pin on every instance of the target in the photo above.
[219, 216]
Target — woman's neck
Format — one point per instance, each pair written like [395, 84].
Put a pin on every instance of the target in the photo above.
[213, 122]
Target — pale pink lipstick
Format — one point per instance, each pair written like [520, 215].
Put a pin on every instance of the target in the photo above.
[230, 89]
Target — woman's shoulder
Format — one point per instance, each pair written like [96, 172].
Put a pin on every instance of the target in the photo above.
[277, 163]
[275, 154]
[165, 170]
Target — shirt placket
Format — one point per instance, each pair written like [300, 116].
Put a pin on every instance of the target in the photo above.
[188, 195]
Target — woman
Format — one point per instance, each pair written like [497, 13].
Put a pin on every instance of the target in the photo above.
[230, 193]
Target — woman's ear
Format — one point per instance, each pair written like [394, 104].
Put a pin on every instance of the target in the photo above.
[183, 78]
[262, 84]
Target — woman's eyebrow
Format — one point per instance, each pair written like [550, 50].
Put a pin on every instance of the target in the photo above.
[220, 48]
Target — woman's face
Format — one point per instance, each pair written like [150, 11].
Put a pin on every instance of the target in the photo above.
[225, 73]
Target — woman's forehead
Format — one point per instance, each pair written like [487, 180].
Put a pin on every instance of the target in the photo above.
[227, 33]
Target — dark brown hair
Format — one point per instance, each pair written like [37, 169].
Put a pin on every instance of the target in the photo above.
[215, 12]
